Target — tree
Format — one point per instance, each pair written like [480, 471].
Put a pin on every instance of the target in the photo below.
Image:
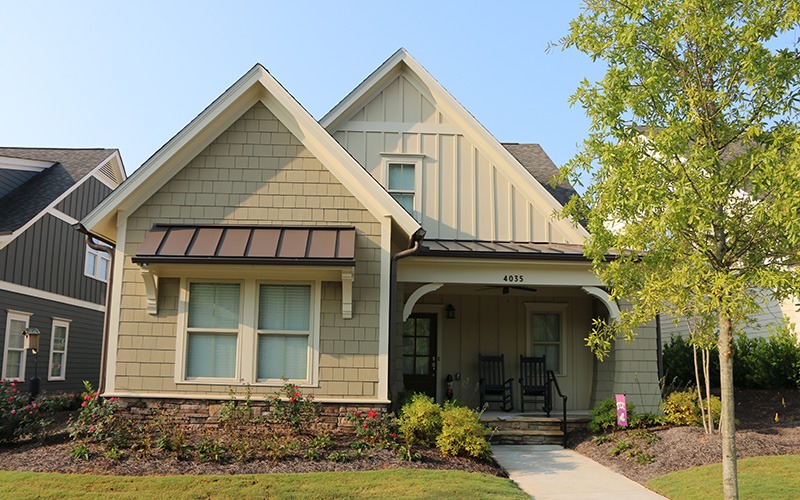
[694, 157]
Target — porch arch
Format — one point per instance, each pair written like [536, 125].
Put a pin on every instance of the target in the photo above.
[611, 305]
[418, 293]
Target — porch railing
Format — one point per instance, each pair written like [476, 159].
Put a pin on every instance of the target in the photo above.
[552, 379]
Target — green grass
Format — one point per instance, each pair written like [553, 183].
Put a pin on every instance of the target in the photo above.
[397, 483]
[772, 477]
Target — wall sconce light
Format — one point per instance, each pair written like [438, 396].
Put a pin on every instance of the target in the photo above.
[450, 312]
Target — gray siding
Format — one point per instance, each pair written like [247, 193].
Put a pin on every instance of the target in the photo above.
[81, 201]
[50, 256]
[11, 179]
[83, 346]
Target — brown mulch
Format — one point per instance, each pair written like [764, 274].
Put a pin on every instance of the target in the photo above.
[678, 448]
[52, 454]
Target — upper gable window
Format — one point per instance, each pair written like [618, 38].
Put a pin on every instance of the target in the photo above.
[96, 265]
[402, 180]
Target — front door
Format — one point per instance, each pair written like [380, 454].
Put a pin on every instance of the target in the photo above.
[419, 354]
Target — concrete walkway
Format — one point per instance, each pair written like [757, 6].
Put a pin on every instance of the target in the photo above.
[553, 473]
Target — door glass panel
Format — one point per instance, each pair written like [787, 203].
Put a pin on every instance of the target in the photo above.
[408, 365]
[408, 345]
[422, 366]
[423, 346]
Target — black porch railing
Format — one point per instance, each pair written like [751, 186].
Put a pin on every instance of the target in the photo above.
[551, 376]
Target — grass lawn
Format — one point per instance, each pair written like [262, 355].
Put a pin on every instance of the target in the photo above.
[396, 483]
[772, 477]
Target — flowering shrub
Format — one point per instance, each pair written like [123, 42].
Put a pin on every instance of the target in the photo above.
[290, 407]
[99, 420]
[376, 429]
[18, 415]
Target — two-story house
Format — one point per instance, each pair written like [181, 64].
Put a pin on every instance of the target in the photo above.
[50, 280]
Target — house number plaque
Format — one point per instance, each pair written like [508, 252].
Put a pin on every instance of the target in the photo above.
[513, 278]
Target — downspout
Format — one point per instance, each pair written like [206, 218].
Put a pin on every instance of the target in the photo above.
[414, 248]
[101, 385]
[659, 349]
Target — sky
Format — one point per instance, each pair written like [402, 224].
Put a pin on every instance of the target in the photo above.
[130, 75]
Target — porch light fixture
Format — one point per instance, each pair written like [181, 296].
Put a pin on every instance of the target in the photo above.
[450, 312]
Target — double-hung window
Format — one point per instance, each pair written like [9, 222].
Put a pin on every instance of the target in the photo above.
[401, 184]
[14, 355]
[96, 264]
[212, 330]
[284, 332]
[58, 350]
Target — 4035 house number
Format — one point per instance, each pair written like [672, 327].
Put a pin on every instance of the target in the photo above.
[514, 278]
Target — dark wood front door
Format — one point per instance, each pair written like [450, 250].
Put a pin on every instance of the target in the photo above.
[419, 354]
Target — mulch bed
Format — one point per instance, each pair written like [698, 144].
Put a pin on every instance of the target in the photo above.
[684, 447]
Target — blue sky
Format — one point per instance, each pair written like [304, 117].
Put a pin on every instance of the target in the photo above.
[131, 75]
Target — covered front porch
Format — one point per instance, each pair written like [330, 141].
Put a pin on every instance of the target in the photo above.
[514, 300]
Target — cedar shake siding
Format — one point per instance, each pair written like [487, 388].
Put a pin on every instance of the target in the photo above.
[256, 173]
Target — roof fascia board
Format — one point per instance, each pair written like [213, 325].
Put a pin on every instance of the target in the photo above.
[13, 163]
[340, 163]
[184, 146]
[9, 238]
[456, 113]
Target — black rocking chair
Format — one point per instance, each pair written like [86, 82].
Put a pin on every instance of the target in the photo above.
[494, 387]
[534, 383]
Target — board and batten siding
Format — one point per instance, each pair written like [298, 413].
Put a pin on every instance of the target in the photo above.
[83, 345]
[464, 195]
[11, 179]
[255, 173]
[81, 201]
[50, 256]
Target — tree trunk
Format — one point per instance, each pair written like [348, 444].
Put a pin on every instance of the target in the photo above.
[730, 485]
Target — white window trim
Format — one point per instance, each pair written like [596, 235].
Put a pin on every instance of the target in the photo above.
[17, 316]
[247, 340]
[98, 255]
[182, 344]
[313, 339]
[406, 159]
[564, 321]
[64, 323]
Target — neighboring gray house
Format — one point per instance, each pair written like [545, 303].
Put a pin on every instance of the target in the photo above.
[49, 278]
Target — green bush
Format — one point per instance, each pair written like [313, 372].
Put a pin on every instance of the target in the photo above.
[421, 420]
[290, 407]
[767, 363]
[682, 408]
[99, 420]
[677, 357]
[462, 433]
[18, 415]
[604, 415]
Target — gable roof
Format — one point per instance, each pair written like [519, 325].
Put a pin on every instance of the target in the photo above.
[401, 60]
[69, 167]
[257, 85]
[542, 168]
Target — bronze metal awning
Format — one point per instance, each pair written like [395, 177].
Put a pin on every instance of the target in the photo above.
[231, 244]
[502, 250]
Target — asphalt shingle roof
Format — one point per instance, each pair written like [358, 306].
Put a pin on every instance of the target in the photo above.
[541, 167]
[30, 198]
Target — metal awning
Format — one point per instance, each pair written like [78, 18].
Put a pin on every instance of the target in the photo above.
[232, 244]
[502, 250]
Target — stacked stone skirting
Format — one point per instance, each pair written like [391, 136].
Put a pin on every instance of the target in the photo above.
[194, 413]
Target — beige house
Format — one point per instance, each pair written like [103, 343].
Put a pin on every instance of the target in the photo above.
[259, 246]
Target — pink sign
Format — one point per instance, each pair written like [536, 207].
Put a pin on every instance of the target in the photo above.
[622, 410]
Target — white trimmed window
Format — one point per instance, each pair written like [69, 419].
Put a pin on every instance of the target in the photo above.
[14, 348]
[284, 332]
[546, 333]
[96, 264]
[402, 179]
[212, 330]
[58, 349]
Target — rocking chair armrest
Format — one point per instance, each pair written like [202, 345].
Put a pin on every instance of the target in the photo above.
[509, 382]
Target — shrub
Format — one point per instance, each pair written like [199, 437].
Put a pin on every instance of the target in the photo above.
[99, 420]
[462, 433]
[677, 357]
[681, 408]
[767, 363]
[290, 407]
[18, 415]
[377, 429]
[604, 415]
[421, 420]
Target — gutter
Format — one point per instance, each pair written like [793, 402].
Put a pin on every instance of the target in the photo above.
[414, 249]
[101, 385]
